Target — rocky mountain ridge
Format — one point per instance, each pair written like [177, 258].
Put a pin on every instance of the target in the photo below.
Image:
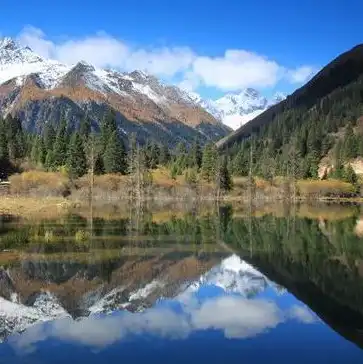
[39, 91]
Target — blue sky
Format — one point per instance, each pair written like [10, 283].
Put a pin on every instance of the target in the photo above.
[211, 47]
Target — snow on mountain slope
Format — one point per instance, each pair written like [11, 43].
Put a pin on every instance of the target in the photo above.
[234, 110]
[39, 90]
[17, 62]
[16, 317]
[233, 275]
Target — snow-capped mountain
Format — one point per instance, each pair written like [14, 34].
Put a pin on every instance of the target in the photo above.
[39, 90]
[232, 274]
[17, 317]
[236, 109]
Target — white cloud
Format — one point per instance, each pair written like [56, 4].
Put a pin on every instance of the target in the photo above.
[35, 39]
[235, 70]
[103, 50]
[302, 314]
[163, 61]
[301, 74]
[237, 317]
[100, 50]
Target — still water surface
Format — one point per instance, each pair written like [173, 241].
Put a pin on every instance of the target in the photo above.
[216, 286]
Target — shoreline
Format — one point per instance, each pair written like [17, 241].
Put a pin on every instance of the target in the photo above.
[28, 207]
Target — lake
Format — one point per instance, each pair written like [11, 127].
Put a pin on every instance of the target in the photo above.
[220, 284]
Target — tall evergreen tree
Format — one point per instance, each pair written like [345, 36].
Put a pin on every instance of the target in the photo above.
[209, 160]
[114, 158]
[350, 144]
[4, 151]
[195, 159]
[76, 160]
[42, 151]
[349, 175]
[108, 127]
[164, 157]
[224, 179]
[60, 146]
[85, 127]
[151, 152]
[15, 138]
[181, 157]
[34, 153]
[49, 136]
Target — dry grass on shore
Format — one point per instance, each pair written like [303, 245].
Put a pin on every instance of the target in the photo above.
[31, 207]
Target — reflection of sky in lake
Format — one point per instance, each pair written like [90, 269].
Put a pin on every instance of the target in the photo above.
[201, 325]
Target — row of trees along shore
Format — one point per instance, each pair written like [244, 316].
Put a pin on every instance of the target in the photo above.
[109, 151]
[82, 151]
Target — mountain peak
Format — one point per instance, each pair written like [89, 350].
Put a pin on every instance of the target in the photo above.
[8, 43]
[251, 92]
[139, 75]
[11, 52]
[236, 109]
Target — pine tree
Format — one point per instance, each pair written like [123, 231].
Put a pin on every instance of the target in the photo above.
[59, 155]
[4, 151]
[34, 153]
[15, 138]
[42, 152]
[191, 177]
[195, 155]
[108, 127]
[350, 144]
[174, 171]
[49, 160]
[240, 162]
[114, 158]
[349, 175]
[76, 161]
[164, 157]
[181, 157]
[209, 160]
[49, 136]
[224, 179]
[85, 128]
[151, 152]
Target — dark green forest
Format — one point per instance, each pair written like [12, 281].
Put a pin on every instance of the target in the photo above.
[107, 151]
[322, 119]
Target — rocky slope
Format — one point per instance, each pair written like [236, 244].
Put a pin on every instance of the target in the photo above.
[39, 91]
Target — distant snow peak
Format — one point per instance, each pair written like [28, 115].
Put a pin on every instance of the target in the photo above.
[236, 109]
[7, 43]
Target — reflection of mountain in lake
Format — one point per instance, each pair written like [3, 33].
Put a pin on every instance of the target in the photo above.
[28, 296]
[131, 269]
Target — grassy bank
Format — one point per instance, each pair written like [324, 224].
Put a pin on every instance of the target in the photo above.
[31, 207]
[37, 193]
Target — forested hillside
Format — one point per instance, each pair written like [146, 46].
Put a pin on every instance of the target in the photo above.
[319, 123]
